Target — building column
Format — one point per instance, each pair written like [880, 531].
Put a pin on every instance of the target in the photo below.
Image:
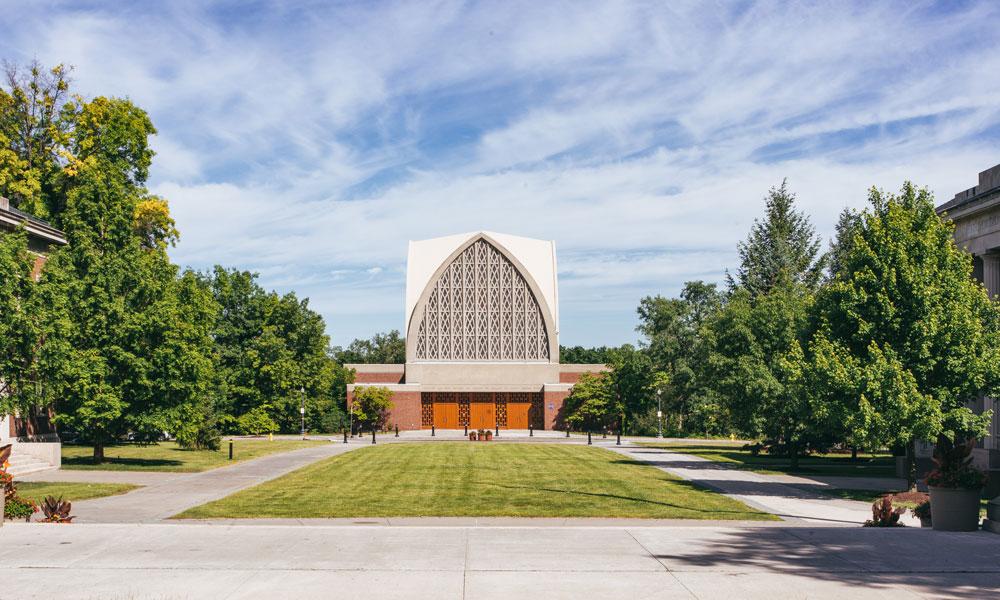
[991, 279]
[991, 273]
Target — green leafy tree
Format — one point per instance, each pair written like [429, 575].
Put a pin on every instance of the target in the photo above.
[917, 334]
[783, 248]
[630, 377]
[371, 406]
[272, 350]
[382, 348]
[674, 342]
[138, 352]
[591, 405]
[33, 327]
[33, 130]
[757, 362]
[580, 355]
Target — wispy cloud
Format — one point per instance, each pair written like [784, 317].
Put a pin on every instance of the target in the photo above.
[309, 142]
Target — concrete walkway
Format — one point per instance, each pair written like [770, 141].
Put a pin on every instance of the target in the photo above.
[88, 476]
[791, 498]
[190, 561]
[171, 495]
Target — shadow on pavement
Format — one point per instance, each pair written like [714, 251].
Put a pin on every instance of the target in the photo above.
[938, 564]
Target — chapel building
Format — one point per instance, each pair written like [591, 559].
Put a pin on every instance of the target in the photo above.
[482, 337]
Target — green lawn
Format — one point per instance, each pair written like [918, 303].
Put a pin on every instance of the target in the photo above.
[467, 479]
[72, 491]
[168, 456]
[867, 465]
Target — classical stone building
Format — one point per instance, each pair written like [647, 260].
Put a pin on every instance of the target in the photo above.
[36, 443]
[482, 337]
[976, 214]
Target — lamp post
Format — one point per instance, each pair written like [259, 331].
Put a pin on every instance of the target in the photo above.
[659, 415]
[302, 410]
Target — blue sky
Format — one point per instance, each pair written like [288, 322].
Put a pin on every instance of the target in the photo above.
[308, 141]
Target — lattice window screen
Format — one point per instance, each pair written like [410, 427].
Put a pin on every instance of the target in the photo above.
[481, 308]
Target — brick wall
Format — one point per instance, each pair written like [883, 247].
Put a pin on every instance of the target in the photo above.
[378, 377]
[405, 411]
[554, 409]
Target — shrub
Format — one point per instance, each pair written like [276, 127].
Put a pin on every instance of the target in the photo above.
[19, 508]
[922, 510]
[56, 510]
[256, 422]
[203, 436]
[884, 515]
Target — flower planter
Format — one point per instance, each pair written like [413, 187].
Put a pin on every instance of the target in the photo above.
[954, 509]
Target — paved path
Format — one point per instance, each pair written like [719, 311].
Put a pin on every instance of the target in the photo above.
[88, 476]
[191, 561]
[782, 495]
[165, 498]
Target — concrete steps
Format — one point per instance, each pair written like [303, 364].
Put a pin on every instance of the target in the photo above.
[24, 464]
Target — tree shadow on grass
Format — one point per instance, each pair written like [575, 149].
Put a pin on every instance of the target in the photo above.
[938, 564]
[87, 461]
[750, 513]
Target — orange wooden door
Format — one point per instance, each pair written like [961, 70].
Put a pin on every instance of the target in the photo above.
[446, 415]
[482, 415]
[517, 415]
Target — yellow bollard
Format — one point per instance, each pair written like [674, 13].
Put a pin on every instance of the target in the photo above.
[270, 437]
[732, 437]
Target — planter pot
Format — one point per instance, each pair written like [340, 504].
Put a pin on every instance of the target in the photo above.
[954, 509]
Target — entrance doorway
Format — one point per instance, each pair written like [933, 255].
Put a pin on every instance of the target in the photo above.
[482, 414]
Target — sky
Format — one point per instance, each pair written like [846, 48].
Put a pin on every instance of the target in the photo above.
[308, 141]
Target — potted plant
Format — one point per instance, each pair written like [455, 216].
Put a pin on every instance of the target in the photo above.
[922, 511]
[489, 435]
[482, 435]
[472, 436]
[955, 486]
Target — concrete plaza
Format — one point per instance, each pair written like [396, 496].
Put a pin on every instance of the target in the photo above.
[124, 548]
[190, 561]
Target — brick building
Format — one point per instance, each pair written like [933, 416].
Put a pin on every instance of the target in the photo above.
[482, 337]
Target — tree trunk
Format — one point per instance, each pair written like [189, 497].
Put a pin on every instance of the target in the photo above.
[98, 453]
[793, 453]
[911, 465]
[854, 453]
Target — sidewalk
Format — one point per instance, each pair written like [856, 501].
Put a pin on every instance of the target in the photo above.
[193, 561]
[786, 496]
[164, 497]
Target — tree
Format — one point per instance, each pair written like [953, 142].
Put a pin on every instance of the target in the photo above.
[918, 334]
[629, 378]
[371, 406]
[591, 405]
[382, 348]
[579, 355]
[135, 352]
[33, 322]
[757, 362]
[847, 222]
[673, 341]
[270, 350]
[33, 129]
[781, 248]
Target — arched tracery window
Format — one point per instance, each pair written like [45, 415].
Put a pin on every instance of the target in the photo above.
[481, 308]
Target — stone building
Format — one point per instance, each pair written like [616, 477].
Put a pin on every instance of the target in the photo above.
[976, 214]
[482, 337]
[36, 443]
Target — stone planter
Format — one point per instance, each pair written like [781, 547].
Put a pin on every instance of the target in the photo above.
[954, 509]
